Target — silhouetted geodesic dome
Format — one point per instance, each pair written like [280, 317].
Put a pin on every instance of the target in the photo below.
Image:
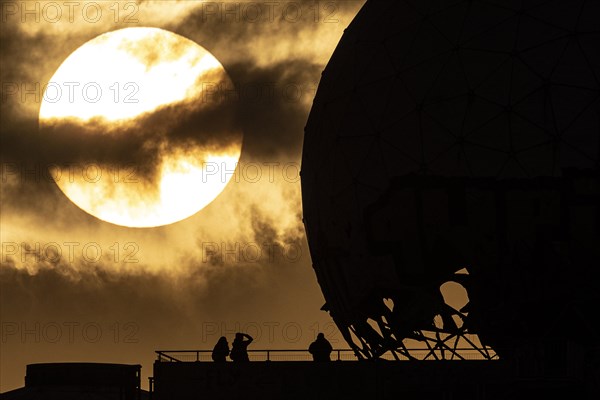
[450, 134]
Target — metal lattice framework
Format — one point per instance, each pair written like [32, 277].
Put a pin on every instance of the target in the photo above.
[449, 134]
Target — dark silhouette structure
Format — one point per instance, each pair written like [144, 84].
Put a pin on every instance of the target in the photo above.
[76, 381]
[239, 348]
[381, 380]
[320, 349]
[461, 134]
[221, 350]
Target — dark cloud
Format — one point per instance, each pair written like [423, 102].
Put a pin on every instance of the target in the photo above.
[142, 142]
[269, 106]
[273, 108]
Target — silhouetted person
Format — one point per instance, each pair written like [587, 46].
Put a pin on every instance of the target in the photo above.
[221, 350]
[320, 348]
[239, 348]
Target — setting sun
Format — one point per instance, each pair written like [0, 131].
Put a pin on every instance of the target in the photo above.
[137, 88]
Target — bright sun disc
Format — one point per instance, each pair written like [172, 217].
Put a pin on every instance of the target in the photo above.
[143, 136]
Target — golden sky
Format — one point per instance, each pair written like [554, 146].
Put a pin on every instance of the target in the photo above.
[241, 260]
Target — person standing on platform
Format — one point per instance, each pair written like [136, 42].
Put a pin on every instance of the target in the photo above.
[320, 349]
[239, 348]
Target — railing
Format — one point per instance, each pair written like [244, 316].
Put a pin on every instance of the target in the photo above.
[304, 355]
